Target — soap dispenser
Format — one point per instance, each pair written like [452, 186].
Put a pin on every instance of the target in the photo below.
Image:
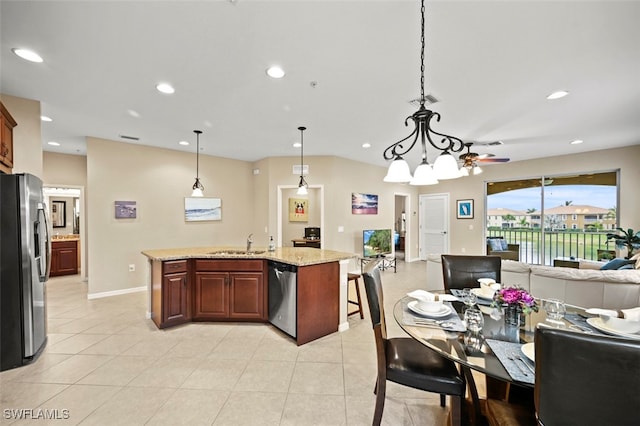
[272, 244]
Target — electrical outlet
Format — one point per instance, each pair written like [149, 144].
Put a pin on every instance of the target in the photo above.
[132, 267]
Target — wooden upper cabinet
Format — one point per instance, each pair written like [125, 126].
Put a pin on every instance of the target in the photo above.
[6, 141]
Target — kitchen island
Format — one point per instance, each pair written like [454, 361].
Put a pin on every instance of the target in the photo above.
[231, 284]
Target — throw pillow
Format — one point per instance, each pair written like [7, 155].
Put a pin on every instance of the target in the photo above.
[505, 245]
[495, 244]
[616, 264]
[636, 257]
[627, 266]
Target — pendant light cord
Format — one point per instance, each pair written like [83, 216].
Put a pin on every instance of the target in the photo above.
[422, 100]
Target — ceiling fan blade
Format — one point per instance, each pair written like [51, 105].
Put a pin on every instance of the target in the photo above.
[493, 160]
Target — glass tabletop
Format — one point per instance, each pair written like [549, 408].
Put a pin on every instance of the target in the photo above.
[479, 355]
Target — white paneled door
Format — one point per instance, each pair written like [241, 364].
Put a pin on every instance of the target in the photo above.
[434, 224]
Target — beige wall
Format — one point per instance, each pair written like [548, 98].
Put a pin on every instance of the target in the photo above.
[27, 139]
[625, 159]
[64, 170]
[158, 180]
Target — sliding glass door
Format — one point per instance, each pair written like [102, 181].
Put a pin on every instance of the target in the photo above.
[555, 217]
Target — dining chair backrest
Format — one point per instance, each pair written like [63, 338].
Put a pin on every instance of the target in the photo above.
[373, 288]
[586, 379]
[463, 271]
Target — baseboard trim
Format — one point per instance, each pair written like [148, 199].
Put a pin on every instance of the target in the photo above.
[102, 294]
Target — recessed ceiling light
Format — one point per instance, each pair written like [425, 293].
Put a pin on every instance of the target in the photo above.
[165, 88]
[52, 143]
[134, 113]
[275, 72]
[297, 145]
[558, 94]
[576, 142]
[45, 118]
[28, 55]
[366, 145]
[185, 143]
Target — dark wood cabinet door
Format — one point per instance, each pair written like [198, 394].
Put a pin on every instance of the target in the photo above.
[211, 299]
[67, 260]
[175, 303]
[246, 295]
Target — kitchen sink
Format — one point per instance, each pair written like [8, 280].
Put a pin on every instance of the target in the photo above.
[236, 252]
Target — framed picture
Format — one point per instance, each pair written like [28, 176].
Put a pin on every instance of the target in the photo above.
[125, 209]
[298, 210]
[364, 203]
[464, 209]
[201, 209]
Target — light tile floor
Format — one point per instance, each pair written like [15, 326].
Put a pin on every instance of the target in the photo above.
[105, 364]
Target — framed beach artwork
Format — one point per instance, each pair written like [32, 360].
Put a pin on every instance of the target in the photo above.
[298, 210]
[364, 203]
[202, 209]
[125, 209]
[464, 209]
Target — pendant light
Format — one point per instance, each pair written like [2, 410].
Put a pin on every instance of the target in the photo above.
[198, 188]
[303, 185]
[445, 166]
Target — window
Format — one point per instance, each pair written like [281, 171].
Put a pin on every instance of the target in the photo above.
[555, 216]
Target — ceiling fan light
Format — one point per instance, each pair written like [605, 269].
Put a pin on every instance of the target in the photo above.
[446, 167]
[477, 170]
[398, 171]
[464, 171]
[424, 175]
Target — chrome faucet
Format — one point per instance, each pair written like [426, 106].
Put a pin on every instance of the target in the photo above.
[249, 242]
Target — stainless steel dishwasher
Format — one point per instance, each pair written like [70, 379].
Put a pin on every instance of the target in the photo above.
[282, 296]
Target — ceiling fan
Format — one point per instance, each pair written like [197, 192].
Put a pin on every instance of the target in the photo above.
[470, 160]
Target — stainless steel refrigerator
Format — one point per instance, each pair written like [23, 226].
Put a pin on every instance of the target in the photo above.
[25, 250]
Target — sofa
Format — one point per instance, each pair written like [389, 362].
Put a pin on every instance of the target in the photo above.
[497, 246]
[611, 289]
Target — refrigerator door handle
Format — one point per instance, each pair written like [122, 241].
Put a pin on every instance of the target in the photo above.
[42, 237]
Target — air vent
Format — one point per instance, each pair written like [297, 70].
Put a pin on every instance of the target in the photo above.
[428, 100]
[131, 138]
[496, 143]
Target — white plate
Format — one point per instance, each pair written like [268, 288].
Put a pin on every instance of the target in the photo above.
[478, 292]
[528, 349]
[600, 325]
[443, 312]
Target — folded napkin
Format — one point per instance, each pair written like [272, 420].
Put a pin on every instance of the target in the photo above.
[430, 297]
[632, 314]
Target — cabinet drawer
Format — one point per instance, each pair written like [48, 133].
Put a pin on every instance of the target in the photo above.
[171, 266]
[63, 244]
[231, 265]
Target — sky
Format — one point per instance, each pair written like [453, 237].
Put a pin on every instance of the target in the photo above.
[523, 199]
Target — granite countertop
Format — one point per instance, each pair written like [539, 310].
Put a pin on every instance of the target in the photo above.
[298, 256]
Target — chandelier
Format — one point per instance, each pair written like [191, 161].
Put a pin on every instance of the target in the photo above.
[445, 166]
[198, 188]
[303, 185]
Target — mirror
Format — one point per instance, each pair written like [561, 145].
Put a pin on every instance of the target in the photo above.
[58, 214]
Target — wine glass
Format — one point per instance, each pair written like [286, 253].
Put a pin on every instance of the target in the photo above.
[555, 310]
[469, 298]
[474, 320]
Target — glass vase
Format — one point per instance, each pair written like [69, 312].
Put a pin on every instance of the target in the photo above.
[513, 315]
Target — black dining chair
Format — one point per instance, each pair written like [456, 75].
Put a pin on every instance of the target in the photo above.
[405, 360]
[463, 271]
[581, 379]
[586, 379]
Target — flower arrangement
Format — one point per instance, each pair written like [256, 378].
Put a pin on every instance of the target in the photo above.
[515, 296]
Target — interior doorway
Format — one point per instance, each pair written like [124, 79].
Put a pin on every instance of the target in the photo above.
[70, 221]
[401, 226]
[434, 224]
[292, 229]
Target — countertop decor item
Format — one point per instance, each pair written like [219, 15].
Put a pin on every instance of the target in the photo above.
[445, 166]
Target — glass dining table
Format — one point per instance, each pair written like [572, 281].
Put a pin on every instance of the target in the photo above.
[498, 350]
